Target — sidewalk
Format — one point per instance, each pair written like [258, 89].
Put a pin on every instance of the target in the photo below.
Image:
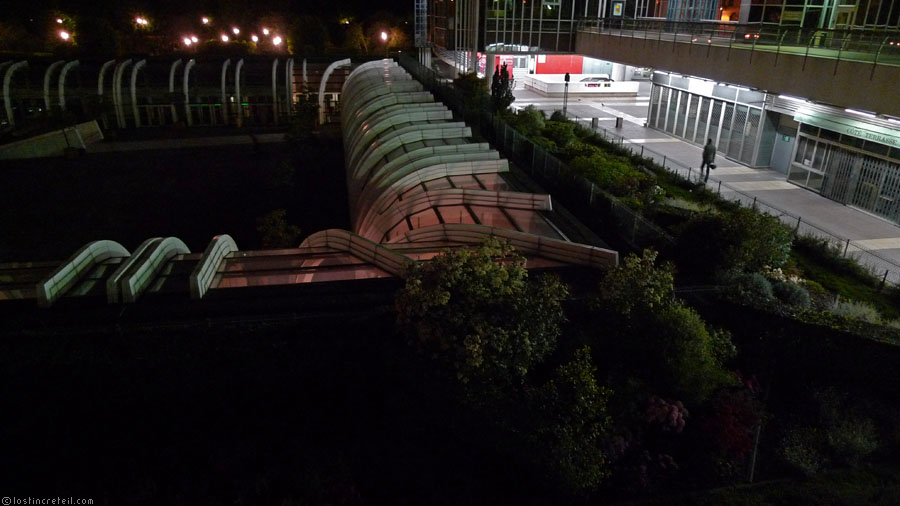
[876, 242]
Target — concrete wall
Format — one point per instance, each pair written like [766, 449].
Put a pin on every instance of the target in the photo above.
[838, 82]
[53, 143]
[553, 85]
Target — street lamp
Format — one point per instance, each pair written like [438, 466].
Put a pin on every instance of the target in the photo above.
[276, 40]
[64, 35]
[224, 38]
[265, 31]
[204, 20]
[384, 38]
[254, 38]
[566, 95]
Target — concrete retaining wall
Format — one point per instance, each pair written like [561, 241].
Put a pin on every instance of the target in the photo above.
[53, 143]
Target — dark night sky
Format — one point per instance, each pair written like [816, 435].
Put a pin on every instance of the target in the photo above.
[18, 11]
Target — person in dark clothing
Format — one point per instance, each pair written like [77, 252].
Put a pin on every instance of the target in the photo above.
[709, 159]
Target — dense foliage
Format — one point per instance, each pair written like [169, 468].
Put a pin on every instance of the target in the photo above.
[738, 238]
[501, 89]
[653, 337]
[477, 314]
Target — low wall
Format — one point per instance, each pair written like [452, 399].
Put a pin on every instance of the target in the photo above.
[553, 85]
[53, 143]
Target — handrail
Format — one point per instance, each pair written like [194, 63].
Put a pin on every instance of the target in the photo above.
[878, 53]
[856, 45]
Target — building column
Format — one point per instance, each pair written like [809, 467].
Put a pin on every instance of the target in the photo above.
[275, 89]
[134, 104]
[172, 69]
[47, 74]
[7, 81]
[189, 118]
[62, 82]
[239, 121]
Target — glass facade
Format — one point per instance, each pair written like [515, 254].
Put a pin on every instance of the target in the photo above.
[814, 14]
[546, 24]
[852, 171]
[696, 110]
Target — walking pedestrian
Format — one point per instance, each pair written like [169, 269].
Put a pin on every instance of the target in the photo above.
[709, 159]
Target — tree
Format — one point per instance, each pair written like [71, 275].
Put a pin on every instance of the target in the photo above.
[276, 232]
[738, 238]
[355, 39]
[572, 424]
[501, 89]
[477, 315]
[655, 338]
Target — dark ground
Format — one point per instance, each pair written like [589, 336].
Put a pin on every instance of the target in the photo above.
[54, 206]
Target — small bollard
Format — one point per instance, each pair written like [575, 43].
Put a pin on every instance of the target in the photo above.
[619, 122]
[720, 187]
[846, 247]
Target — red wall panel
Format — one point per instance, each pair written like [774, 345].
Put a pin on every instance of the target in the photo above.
[560, 64]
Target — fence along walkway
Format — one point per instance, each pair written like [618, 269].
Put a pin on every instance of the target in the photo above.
[879, 265]
[573, 189]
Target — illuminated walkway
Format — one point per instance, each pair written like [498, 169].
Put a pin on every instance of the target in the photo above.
[874, 240]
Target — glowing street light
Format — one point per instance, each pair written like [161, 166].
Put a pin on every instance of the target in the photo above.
[141, 21]
[194, 39]
[205, 20]
[59, 20]
[384, 36]
[64, 35]
[265, 31]
[276, 40]
[236, 30]
[224, 38]
[187, 41]
[254, 38]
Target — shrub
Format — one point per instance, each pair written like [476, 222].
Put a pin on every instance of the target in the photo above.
[613, 175]
[558, 116]
[528, 121]
[654, 337]
[561, 133]
[791, 294]
[478, 317]
[850, 437]
[747, 288]
[831, 256]
[852, 440]
[802, 449]
[581, 149]
[739, 238]
[857, 311]
[638, 285]
[571, 424]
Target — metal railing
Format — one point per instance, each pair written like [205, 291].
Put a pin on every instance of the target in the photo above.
[878, 265]
[600, 208]
[576, 191]
[879, 47]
